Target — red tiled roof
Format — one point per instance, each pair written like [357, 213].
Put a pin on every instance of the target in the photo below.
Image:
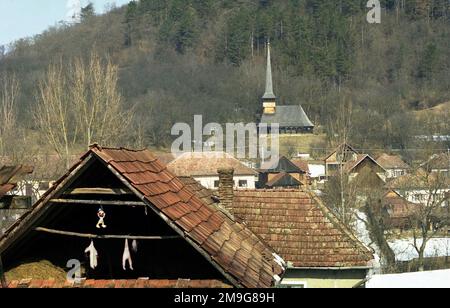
[231, 246]
[10, 175]
[392, 162]
[398, 210]
[351, 165]
[207, 164]
[6, 188]
[283, 179]
[341, 147]
[438, 162]
[419, 179]
[300, 228]
[399, 207]
[117, 284]
[197, 188]
[165, 158]
[302, 164]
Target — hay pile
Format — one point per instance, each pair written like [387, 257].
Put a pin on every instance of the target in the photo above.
[36, 270]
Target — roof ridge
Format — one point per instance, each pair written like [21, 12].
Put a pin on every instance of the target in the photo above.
[271, 190]
[337, 223]
[97, 146]
[163, 203]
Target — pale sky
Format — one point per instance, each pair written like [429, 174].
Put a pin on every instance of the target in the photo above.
[25, 18]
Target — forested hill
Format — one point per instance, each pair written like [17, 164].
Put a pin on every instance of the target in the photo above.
[178, 58]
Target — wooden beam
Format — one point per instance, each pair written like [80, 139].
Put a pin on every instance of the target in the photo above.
[98, 202]
[2, 275]
[95, 236]
[42, 205]
[98, 191]
[176, 228]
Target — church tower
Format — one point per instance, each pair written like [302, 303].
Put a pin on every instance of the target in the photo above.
[269, 99]
[291, 119]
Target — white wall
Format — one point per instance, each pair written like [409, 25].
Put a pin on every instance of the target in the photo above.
[394, 173]
[33, 187]
[421, 196]
[317, 170]
[208, 181]
[419, 280]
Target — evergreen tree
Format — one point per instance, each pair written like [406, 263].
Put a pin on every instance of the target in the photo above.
[429, 62]
[87, 12]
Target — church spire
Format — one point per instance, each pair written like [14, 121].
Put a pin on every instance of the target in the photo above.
[269, 82]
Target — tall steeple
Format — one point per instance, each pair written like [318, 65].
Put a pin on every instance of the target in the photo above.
[269, 98]
[269, 82]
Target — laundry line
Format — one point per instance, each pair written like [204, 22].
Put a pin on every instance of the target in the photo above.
[95, 236]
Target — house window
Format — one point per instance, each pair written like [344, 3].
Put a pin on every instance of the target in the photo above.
[243, 183]
[333, 167]
[419, 197]
[216, 184]
[44, 185]
[399, 173]
[293, 284]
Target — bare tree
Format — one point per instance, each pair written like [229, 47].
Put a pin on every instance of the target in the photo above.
[339, 188]
[370, 194]
[81, 105]
[98, 104]
[341, 130]
[9, 93]
[363, 196]
[54, 113]
[431, 191]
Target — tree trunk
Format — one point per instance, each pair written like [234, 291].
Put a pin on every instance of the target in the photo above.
[421, 260]
[376, 230]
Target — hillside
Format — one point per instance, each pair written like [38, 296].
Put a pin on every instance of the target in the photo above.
[178, 58]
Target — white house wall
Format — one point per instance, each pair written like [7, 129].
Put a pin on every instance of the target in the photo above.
[209, 181]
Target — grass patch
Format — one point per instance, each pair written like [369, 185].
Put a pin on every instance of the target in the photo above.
[294, 144]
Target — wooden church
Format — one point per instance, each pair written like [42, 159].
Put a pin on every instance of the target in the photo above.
[291, 119]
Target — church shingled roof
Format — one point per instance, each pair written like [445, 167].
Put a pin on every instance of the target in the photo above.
[288, 116]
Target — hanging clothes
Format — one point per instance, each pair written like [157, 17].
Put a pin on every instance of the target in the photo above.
[93, 255]
[134, 246]
[127, 257]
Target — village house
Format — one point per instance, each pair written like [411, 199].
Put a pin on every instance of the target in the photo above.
[338, 158]
[203, 166]
[364, 164]
[291, 119]
[316, 172]
[421, 187]
[47, 169]
[12, 203]
[321, 252]
[283, 174]
[303, 165]
[128, 219]
[394, 165]
[396, 211]
[438, 163]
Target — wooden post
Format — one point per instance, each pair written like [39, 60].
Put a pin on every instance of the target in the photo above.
[2, 275]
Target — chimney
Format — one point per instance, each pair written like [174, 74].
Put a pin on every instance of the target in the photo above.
[226, 187]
